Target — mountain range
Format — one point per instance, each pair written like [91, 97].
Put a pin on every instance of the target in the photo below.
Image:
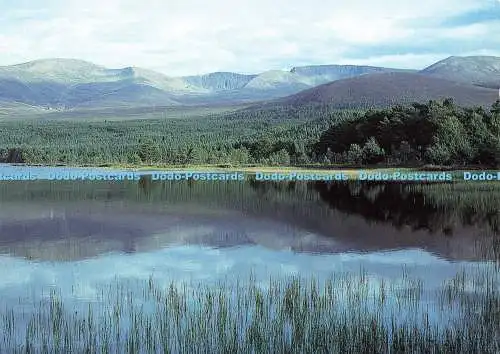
[70, 84]
[386, 89]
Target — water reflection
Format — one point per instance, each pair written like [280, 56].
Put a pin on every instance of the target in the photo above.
[431, 207]
[49, 220]
[82, 236]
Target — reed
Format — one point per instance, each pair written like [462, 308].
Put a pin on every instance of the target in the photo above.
[346, 313]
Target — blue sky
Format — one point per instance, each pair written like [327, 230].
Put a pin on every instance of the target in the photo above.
[181, 37]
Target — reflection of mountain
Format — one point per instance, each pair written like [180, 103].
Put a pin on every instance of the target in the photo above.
[73, 232]
[58, 220]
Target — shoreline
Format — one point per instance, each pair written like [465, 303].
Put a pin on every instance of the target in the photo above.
[313, 173]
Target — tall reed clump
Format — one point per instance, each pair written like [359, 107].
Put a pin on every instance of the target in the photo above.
[344, 314]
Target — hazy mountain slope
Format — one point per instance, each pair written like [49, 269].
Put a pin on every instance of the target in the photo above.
[389, 88]
[9, 108]
[478, 70]
[64, 71]
[14, 90]
[70, 83]
[276, 83]
[303, 77]
[321, 74]
[175, 85]
[128, 95]
[268, 85]
[276, 78]
[72, 71]
[37, 93]
[50, 95]
[219, 81]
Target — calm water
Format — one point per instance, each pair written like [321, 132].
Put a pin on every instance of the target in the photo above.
[80, 236]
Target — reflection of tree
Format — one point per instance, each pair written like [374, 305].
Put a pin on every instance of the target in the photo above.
[145, 184]
[435, 207]
[385, 203]
[264, 187]
[403, 205]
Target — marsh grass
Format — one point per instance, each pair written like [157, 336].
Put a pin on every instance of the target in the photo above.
[344, 314]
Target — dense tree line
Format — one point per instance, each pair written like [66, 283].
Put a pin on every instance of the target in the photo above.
[275, 135]
[438, 133]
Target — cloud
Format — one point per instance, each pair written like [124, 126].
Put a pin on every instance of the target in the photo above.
[189, 36]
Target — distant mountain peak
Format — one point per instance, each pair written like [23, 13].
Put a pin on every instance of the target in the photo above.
[467, 59]
[58, 62]
[60, 70]
[220, 81]
[482, 70]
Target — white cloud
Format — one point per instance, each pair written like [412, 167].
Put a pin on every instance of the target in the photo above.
[366, 30]
[485, 31]
[192, 36]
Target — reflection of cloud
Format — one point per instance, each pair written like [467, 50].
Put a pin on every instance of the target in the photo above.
[179, 234]
[194, 263]
[15, 271]
[269, 35]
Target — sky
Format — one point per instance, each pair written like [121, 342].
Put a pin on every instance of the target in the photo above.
[189, 37]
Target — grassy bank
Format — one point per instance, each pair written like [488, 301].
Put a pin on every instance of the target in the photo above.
[345, 314]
